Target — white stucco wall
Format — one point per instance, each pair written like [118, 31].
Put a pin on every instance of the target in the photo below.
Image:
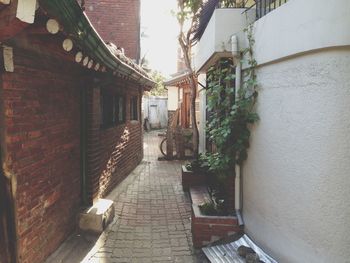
[296, 188]
[296, 179]
[301, 26]
[296, 185]
[173, 98]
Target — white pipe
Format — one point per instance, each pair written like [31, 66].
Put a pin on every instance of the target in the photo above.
[234, 46]
[237, 61]
[237, 187]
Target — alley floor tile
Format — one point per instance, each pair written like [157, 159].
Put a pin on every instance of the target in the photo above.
[152, 222]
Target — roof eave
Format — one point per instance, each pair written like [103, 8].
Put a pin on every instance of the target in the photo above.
[77, 25]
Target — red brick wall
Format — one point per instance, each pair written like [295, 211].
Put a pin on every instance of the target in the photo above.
[117, 21]
[41, 101]
[112, 152]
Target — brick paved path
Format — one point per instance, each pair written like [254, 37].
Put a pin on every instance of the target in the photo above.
[152, 216]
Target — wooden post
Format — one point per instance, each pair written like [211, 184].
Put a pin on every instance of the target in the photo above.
[52, 26]
[67, 45]
[91, 62]
[8, 58]
[85, 61]
[79, 57]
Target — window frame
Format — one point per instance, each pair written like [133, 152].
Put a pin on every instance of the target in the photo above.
[110, 109]
[134, 108]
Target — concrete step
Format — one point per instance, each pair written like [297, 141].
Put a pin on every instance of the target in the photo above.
[96, 218]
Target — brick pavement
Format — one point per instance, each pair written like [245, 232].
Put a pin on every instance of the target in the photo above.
[152, 221]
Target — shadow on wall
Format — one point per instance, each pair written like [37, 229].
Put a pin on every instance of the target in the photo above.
[118, 160]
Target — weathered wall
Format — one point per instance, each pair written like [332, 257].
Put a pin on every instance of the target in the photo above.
[42, 150]
[112, 152]
[156, 110]
[117, 21]
[295, 181]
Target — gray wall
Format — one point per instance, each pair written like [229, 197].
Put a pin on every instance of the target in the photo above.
[156, 109]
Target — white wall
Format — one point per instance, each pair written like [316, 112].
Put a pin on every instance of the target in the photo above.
[216, 40]
[296, 185]
[173, 98]
[296, 180]
[301, 26]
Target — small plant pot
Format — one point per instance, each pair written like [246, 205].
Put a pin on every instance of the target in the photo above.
[207, 229]
[190, 178]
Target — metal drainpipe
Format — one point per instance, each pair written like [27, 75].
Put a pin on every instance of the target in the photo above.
[83, 144]
[237, 60]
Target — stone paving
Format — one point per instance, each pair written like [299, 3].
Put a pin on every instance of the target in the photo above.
[152, 221]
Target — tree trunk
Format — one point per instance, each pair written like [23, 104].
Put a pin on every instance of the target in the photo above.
[195, 133]
[186, 48]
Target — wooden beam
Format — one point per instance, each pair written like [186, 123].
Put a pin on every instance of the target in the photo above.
[52, 26]
[85, 61]
[91, 62]
[7, 53]
[79, 57]
[67, 44]
[38, 28]
[26, 10]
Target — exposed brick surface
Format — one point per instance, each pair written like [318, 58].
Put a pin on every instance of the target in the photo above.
[42, 145]
[207, 229]
[190, 178]
[117, 21]
[112, 152]
[42, 115]
[152, 219]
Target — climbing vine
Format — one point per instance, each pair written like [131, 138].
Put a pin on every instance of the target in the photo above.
[231, 111]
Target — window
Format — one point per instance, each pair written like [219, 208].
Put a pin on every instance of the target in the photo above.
[120, 108]
[134, 114]
[112, 109]
[107, 109]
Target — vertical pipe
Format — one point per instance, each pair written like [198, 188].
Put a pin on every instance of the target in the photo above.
[237, 167]
[237, 60]
[237, 188]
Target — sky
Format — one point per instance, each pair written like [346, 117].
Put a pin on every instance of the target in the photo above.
[159, 30]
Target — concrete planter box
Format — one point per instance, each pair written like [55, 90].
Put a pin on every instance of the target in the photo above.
[208, 229]
[190, 178]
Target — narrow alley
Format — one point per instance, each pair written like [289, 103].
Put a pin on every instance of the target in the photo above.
[152, 222]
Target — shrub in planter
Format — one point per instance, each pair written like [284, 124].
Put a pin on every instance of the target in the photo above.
[194, 173]
[213, 219]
